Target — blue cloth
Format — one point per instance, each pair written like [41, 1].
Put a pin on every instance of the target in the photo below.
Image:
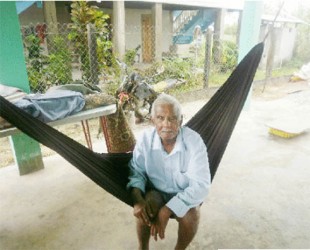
[53, 105]
[184, 172]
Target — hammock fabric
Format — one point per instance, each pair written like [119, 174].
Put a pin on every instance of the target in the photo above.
[214, 122]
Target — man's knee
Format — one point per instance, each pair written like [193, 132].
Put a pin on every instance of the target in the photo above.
[155, 200]
[192, 216]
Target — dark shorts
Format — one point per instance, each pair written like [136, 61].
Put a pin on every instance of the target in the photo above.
[166, 196]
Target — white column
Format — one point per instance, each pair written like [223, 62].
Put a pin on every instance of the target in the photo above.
[119, 29]
[157, 15]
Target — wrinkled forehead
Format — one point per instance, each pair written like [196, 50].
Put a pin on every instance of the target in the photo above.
[166, 109]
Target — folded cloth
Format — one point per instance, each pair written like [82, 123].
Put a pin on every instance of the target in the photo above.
[53, 105]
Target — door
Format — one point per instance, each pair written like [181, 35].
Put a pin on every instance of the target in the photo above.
[147, 39]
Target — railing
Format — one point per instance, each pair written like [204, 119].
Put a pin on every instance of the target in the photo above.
[183, 19]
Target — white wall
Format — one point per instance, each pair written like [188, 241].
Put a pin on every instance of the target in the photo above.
[284, 44]
[286, 49]
[133, 28]
[133, 19]
[167, 30]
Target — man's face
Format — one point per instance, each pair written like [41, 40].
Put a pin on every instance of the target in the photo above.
[166, 122]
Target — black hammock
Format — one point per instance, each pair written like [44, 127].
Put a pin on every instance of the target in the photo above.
[214, 122]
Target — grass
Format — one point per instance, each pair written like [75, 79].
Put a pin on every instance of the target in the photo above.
[195, 82]
[217, 79]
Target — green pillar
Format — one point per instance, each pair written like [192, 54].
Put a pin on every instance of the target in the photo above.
[250, 26]
[13, 72]
[249, 31]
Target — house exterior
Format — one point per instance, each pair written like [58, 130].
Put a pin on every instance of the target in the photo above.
[280, 39]
[156, 26]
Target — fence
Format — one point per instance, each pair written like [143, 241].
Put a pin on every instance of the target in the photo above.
[62, 54]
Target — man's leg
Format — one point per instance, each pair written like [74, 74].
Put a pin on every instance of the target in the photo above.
[144, 233]
[156, 201]
[188, 226]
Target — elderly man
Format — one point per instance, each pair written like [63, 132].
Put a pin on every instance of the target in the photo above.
[170, 175]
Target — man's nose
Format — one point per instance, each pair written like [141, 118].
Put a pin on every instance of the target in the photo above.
[166, 122]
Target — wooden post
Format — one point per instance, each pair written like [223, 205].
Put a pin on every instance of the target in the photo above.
[271, 52]
[208, 57]
[218, 34]
[50, 18]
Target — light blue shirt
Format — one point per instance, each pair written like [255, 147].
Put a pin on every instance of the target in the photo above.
[184, 172]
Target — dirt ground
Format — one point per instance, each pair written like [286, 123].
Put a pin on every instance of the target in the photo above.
[259, 197]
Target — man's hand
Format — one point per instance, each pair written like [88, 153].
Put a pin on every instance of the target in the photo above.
[140, 211]
[141, 208]
[161, 222]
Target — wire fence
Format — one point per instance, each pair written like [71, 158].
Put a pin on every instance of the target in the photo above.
[62, 54]
[58, 55]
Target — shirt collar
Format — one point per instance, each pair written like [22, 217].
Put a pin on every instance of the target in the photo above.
[179, 144]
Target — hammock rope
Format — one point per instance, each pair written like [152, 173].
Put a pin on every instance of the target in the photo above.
[215, 122]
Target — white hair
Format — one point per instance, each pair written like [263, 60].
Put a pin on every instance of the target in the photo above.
[170, 100]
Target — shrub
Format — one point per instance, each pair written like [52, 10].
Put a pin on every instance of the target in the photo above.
[229, 56]
[35, 63]
[59, 63]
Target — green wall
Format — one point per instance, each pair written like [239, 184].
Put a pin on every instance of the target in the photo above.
[12, 62]
[250, 26]
[27, 152]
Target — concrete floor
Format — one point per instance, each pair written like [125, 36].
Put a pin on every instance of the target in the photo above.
[260, 197]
